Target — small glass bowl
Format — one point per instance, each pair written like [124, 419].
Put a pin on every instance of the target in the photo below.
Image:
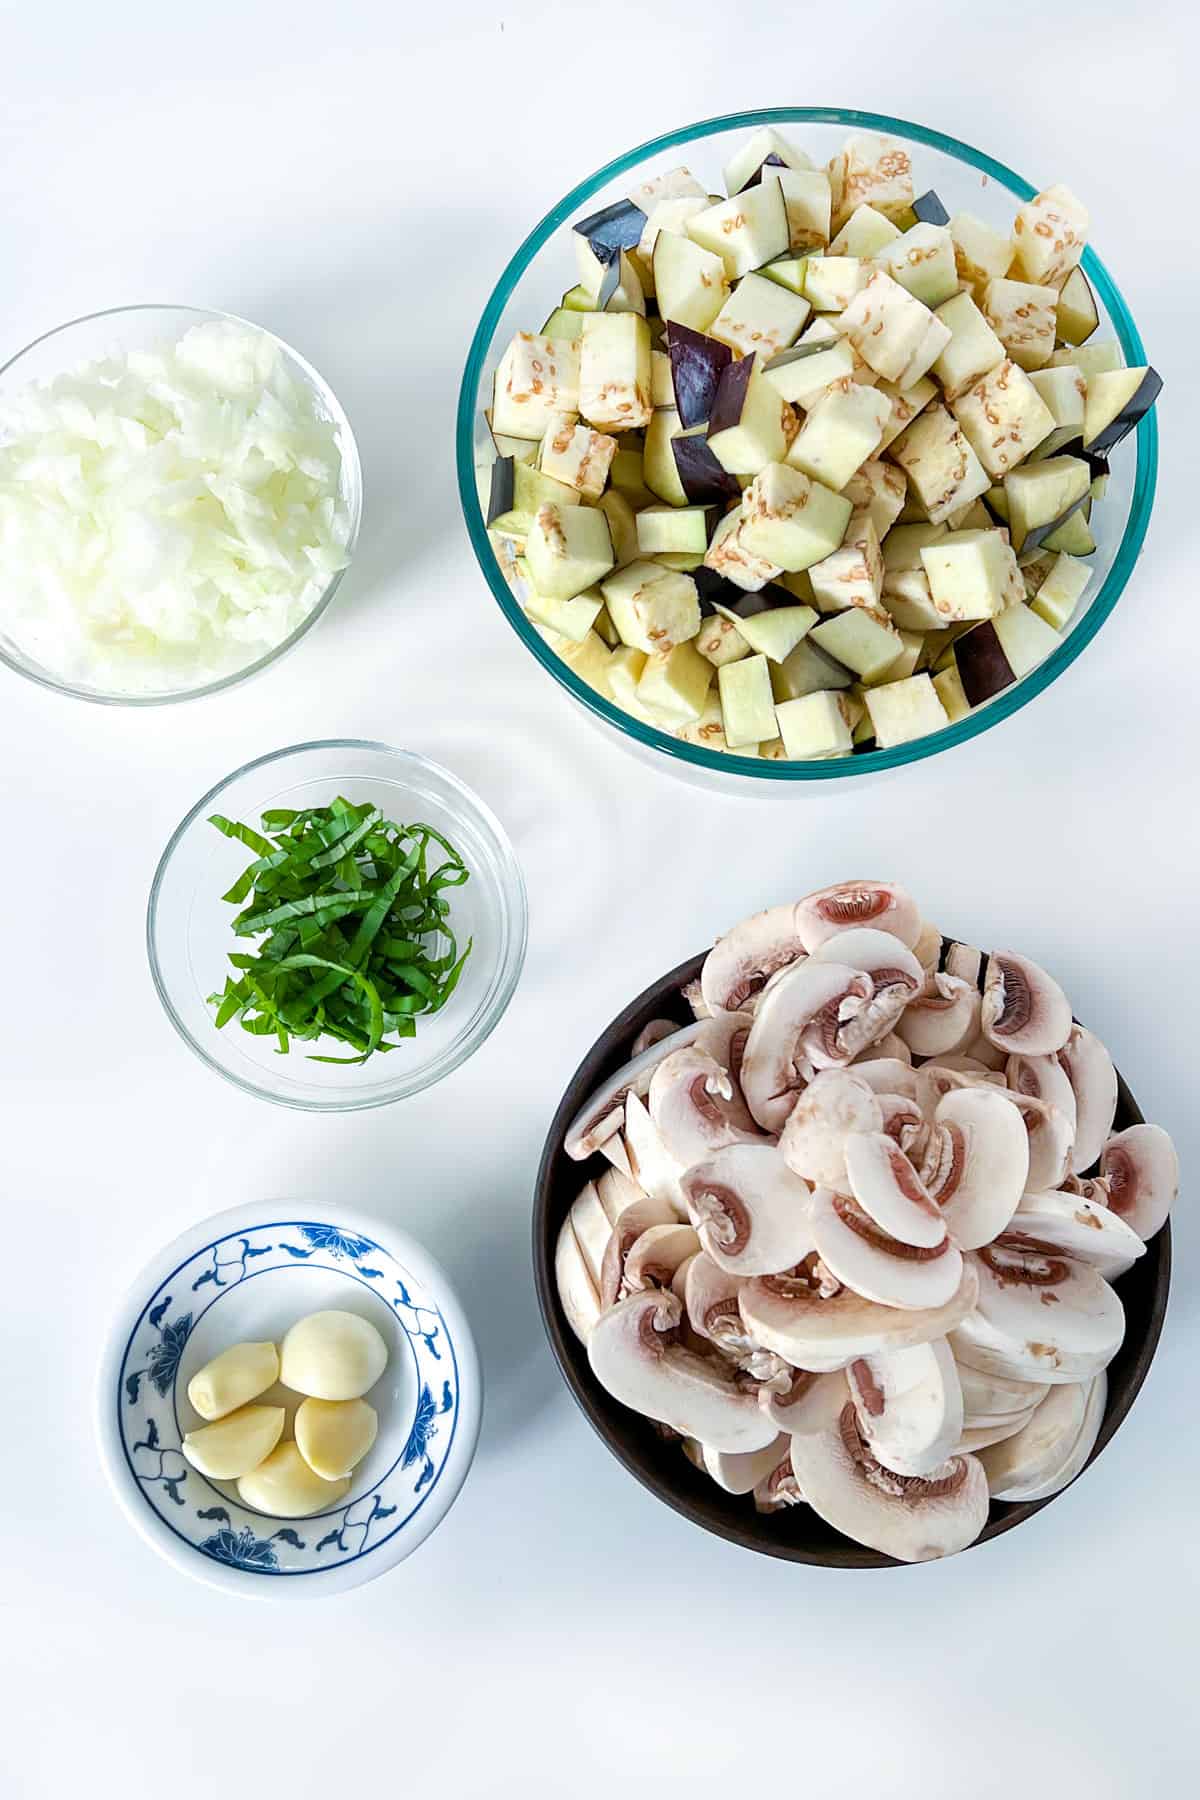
[966, 180]
[189, 927]
[126, 328]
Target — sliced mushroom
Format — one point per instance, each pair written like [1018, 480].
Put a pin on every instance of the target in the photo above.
[655, 1170]
[934, 1080]
[808, 1403]
[741, 963]
[964, 961]
[1093, 1079]
[995, 1396]
[887, 1047]
[1080, 1452]
[710, 1298]
[749, 1209]
[1084, 1229]
[904, 1123]
[652, 1034]
[780, 1488]
[635, 1356]
[1142, 1172]
[985, 1054]
[909, 1406]
[1043, 1078]
[1039, 1317]
[889, 1074]
[602, 1114]
[976, 1163]
[614, 1151]
[616, 1191]
[797, 1317]
[928, 947]
[977, 1437]
[914, 1518]
[740, 1472]
[1034, 1453]
[941, 1018]
[578, 1292]
[896, 977]
[642, 1216]
[797, 1022]
[836, 1104]
[592, 1227]
[877, 1265]
[695, 999]
[656, 1255]
[890, 1192]
[849, 904]
[1050, 1139]
[1024, 1009]
[696, 1107]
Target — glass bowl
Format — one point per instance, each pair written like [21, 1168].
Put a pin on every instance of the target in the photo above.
[126, 328]
[189, 935]
[966, 179]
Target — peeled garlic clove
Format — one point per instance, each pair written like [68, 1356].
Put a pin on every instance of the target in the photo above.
[239, 1374]
[333, 1436]
[332, 1356]
[235, 1444]
[285, 1487]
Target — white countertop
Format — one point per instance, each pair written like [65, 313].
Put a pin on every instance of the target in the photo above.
[355, 178]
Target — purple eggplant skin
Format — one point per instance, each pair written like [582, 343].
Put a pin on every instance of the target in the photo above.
[701, 476]
[746, 606]
[928, 209]
[731, 396]
[713, 590]
[768, 162]
[500, 499]
[1036, 538]
[1096, 462]
[697, 365]
[613, 229]
[1129, 416]
[983, 668]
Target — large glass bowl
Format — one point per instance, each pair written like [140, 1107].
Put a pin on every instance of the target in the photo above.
[966, 180]
[125, 328]
[189, 927]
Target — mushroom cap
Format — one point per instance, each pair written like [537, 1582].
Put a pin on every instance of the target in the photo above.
[1142, 1172]
[981, 1436]
[1033, 1454]
[889, 1190]
[850, 904]
[1084, 1229]
[995, 1396]
[780, 1488]
[740, 963]
[749, 1209]
[592, 1227]
[835, 1104]
[788, 1315]
[1039, 1317]
[934, 1080]
[657, 1254]
[801, 1006]
[888, 1074]
[963, 960]
[942, 1018]
[696, 1107]
[1024, 1009]
[904, 1123]
[896, 977]
[653, 1032]
[1050, 1138]
[655, 1170]
[1044, 1078]
[710, 1297]
[977, 1163]
[1093, 1079]
[1080, 1451]
[909, 1405]
[878, 1266]
[810, 1403]
[739, 1472]
[914, 1518]
[602, 1114]
[928, 947]
[634, 1221]
[634, 1356]
[617, 1190]
[577, 1290]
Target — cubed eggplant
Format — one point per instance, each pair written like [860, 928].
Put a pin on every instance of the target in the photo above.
[701, 476]
[928, 209]
[983, 668]
[713, 591]
[613, 229]
[697, 365]
[500, 499]
[1116, 402]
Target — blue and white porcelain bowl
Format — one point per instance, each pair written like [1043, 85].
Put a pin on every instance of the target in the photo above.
[248, 1274]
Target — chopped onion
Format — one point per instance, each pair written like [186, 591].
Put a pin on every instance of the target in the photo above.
[167, 516]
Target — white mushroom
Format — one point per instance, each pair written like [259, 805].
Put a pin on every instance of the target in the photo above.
[1093, 1079]
[780, 1488]
[577, 1290]
[942, 1018]
[696, 1107]
[977, 1437]
[1080, 1451]
[1024, 1009]
[1050, 1139]
[835, 1104]
[889, 1190]
[740, 1472]
[890, 1074]
[896, 976]
[992, 1397]
[1034, 1453]
[964, 961]
[794, 1032]
[928, 947]
[812, 1328]
[914, 1518]
[655, 1170]
[740, 964]
[934, 1080]
[592, 1227]
[976, 1163]
[653, 1033]
[1039, 1317]
[749, 1209]
[808, 1403]
[616, 1191]
[642, 1216]
[904, 1123]
[710, 1298]
[614, 1151]
[1142, 1172]
[908, 1405]
[656, 1255]
[690, 992]
[635, 1356]
[849, 904]
[1084, 1229]
[878, 1266]
[1044, 1078]
[602, 1114]
[888, 1046]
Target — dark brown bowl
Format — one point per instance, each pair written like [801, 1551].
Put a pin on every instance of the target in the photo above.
[795, 1533]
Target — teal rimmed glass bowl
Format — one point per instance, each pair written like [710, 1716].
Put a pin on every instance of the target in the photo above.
[966, 180]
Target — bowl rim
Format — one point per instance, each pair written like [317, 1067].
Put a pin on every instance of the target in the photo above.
[566, 1349]
[186, 1557]
[865, 762]
[514, 912]
[352, 480]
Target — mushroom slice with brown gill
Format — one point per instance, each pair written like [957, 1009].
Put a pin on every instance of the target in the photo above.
[886, 1074]
[1077, 1457]
[642, 1216]
[914, 1518]
[1093, 1079]
[696, 1107]
[710, 1298]
[1033, 1454]
[739, 1472]
[1050, 1139]
[690, 992]
[741, 963]
[1142, 1172]
[577, 1290]
[934, 1080]
[877, 1265]
[653, 1033]
[654, 1168]
[1044, 1078]
[942, 1018]
[1024, 1009]
[636, 1357]
[834, 1106]
[909, 1406]
[904, 1123]
[976, 1163]
[780, 1488]
[896, 976]
[602, 1113]
[887, 1046]
[809, 1402]
[804, 1003]
[890, 1192]
[796, 1316]
[850, 904]
[1085, 1229]
[1039, 1317]
[749, 1209]
[657, 1254]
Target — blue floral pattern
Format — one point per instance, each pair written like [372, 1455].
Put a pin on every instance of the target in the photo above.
[209, 1516]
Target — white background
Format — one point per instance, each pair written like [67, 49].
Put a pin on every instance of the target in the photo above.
[355, 177]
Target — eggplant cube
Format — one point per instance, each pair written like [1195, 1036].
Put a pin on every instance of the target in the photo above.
[942, 469]
[1064, 390]
[1049, 234]
[1003, 418]
[970, 574]
[1089, 359]
[806, 202]
[652, 608]
[1116, 401]
[764, 150]
[980, 254]
[516, 493]
[690, 282]
[903, 710]
[673, 184]
[908, 602]
[1023, 318]
[729, 556]
[745, 232]
[973, 349]
[928, 209]
[708, 731]
[906, 403]
[672, 530]
[537, 378]
[775, 632]
[576, 456]
[1039, 493]
[759, 315]
[590, 660]
[659, 470]
[614, 371]
[1025, 638]
[750, 426]
[662, 388]
[880, 489]
[669, 215]
[866, 233]
[949, 689]
[1059, 594]
[697, 365]
[747, 703]
[871, 169]
[675, 682]
[861, 638]
[572, 619]
[808, 670]
[895, 334]
[802, 377]
[1078, 315]
[831, 282]
[720, 640]
[568, 549]
[844, 428]
[701, 478]
[816, 726]
[791, 520]
[853, 574]
[922, 261]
